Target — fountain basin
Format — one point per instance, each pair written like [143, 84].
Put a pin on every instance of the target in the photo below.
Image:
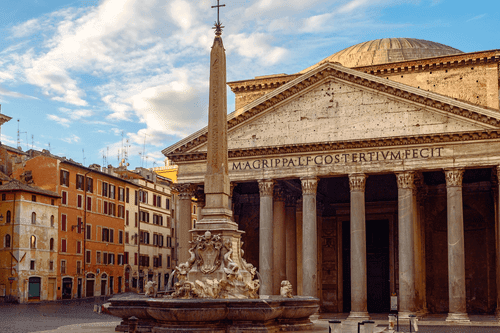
[267, 314]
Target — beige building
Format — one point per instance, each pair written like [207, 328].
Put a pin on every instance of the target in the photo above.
[372, 173]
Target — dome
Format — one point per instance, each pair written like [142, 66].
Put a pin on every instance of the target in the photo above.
[387, 50]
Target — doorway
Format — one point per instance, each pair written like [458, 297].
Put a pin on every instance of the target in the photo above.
[34, 288]
[104, 279]
[90, 286]
[52, 289]
[79, 288]
[111, 285]
[67, 288]
[377, 265]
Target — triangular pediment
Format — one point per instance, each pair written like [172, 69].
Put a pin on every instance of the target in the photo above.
[333, 103]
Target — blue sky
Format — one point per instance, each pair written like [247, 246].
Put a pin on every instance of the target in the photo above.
[84, 76]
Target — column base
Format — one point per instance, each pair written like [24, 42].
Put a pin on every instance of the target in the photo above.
[458, 317]
[358, 316]
[406, 314]
[497, 313]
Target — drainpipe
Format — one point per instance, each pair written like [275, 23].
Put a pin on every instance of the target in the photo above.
[139, 237]
[13, 221]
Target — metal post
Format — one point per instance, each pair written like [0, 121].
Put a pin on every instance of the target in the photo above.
[359, 326]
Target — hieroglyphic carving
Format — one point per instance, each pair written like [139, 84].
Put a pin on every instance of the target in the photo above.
[266, 188]
[406, 179]
[309, 185]
[357, 182]
[454, 177]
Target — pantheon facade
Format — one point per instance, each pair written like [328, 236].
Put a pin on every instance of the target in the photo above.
[371, 174]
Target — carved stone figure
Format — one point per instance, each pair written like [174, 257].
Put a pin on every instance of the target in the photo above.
[151, 289]
[286, 289]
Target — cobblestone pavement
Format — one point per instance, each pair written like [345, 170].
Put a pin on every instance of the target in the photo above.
[36, 317]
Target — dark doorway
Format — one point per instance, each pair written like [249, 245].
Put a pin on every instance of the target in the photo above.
[111, 285]
[67, 288]
[79, 288]
[377, 265]
[34, 288]
[103, 285]
[127, 279]
[119, 284]
[90, 288]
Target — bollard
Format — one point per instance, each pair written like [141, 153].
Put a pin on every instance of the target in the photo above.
[413, 323]
[334, 326]
[132, 324]
[369, 326]
[392, 323]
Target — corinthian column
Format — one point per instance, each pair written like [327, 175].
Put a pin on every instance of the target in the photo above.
[406, 242]
[266, 237]
[279, 240]
[358, 248]
[456, 251]
[186, 192]
[291, 241]
[497, 237]
[309, 237]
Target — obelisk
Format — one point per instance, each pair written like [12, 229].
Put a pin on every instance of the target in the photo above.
[216, 214]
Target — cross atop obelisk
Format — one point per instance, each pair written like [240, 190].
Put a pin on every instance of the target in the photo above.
[218, 26]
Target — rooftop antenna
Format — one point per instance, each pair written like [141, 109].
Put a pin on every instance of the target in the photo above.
[107, 154]
[127, 146]
[144, 150]
[103, 158]
[49, 147]
[83, 153]
[19, 137]
[32, 141]
[122, 148]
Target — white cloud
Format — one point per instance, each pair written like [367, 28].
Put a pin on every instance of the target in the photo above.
[71, 139]
[476, 17]
[77, 114]
[256, 45]
[25, 29]
[61, 121]
[9, 93]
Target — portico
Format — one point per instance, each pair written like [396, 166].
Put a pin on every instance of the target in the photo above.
[379, 187]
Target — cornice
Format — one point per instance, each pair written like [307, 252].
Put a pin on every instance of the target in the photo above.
[483, 116]
[434, 63]
[352, 144]
[264, 83]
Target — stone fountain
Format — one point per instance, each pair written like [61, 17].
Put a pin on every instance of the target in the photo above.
[216, 289]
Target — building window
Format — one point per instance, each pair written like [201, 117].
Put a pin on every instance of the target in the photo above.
[136, 197]
[79, 222]
[111, 236]
[7, 218]
[63, 245]
[160, 260]
[52, 221]
[167, 204]
[98, 257]
[126, 217]
[63, 222]
[52, 202]
[52, 244]
[33, 218]
[120, 259]
[51, 265]
[63, 266]
[79, 201]
[88, 256]
[90, 185]
[126, 237]
[120, 237]
[194, 209]
[65, 178]
[121, 211]
[127, 195]
[168, 261]
[33, 198]
[32, 265]
[89, 204]
[7, 240]
[135, 258]
[144, 237]
[111, 191]
[112, 209]
[78, 247]
[79, 182]
[194, 223]
[136, 219]
[33, 242]
[121, 194]
[125, 258]
[143, 196]
[78, 267]
[3, 196]
[64, 199]
[105, 235]
[88, 235]
[105, 207]
[105, 258]
[104, 189]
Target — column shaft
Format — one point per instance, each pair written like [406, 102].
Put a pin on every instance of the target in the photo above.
[291, 242]
[497, 237]
[279, 239]
[266, 237]
[456, 250]
[358, 248]
[186, 193]
[299, 221]
[309, 237]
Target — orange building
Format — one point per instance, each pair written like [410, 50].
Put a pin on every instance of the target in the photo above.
[92, 214]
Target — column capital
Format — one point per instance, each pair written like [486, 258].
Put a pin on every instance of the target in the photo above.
[454, 177]
[186, 191]
[309, 185]
[357, 182]
[266, 187]
[406, 179]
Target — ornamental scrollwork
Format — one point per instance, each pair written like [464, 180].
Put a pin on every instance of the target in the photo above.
[309, 185]
[357, 182]
[266, 188]
[406, 179]
[454, 177]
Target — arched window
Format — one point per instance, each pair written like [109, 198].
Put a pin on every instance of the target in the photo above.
[33, 242]
[8, 216]
[52, 220]
[33, 218]
[52, 244]
[7, 240]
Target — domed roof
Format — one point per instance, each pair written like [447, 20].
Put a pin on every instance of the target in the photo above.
[386, 50]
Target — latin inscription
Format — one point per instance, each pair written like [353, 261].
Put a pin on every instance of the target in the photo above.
[328, 159]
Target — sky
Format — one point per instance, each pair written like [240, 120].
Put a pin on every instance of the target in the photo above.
[101, 80]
